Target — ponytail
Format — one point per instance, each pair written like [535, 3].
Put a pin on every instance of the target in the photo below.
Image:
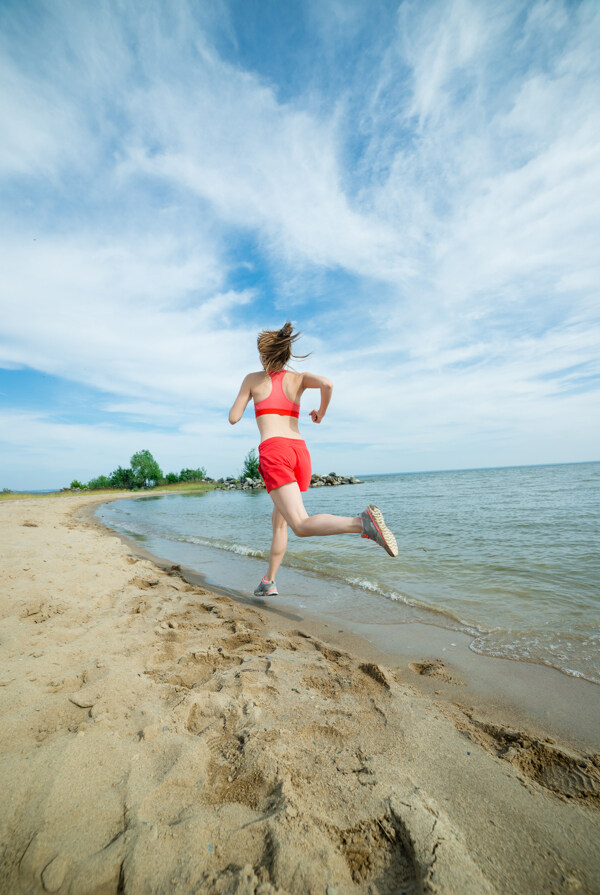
[275, 347]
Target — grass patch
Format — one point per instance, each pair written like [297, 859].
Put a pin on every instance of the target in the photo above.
[183, 486]
[100, 492]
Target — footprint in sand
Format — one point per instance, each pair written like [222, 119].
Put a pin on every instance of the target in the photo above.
[248, 642]
[144, 583]
[195, 669]
[436, 669]
[241, 772]
[376, 673]
[374, 850]
[567, 774]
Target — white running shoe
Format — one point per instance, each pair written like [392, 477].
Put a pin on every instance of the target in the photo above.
[375, 529]
[266, 589]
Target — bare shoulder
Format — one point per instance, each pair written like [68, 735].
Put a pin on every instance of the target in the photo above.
[255, 382]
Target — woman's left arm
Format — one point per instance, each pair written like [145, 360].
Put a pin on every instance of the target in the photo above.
[310, 380]
[241, 402]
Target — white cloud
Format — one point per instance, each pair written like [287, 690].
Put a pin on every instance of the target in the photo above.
[131, 318]
[260, 165]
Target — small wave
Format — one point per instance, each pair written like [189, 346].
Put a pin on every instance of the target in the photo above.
[444, 617]
[240, 549]
[553, 655]
[373, 588]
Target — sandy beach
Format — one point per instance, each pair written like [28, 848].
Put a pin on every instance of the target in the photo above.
[161, 738]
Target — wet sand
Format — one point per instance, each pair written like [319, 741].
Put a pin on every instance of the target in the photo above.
[556, 704]
[160, 737]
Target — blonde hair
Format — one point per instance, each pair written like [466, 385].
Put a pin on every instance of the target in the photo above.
[275, 347]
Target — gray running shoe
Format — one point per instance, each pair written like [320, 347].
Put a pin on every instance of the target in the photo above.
[266, 589]
[375, 529]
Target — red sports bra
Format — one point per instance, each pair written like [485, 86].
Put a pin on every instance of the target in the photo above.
[277, 402]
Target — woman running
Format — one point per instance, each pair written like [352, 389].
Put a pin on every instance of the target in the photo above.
[284, 461]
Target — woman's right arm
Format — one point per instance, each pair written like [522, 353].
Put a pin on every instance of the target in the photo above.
[311, 380]
[241, 402]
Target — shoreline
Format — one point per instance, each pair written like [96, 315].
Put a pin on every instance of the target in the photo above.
[513, 606]
[435, 658]
[160, 735]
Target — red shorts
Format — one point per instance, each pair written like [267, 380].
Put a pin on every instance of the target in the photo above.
[284, 460]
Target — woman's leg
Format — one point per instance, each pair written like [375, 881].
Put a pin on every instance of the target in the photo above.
[278, 544]
[288, 501]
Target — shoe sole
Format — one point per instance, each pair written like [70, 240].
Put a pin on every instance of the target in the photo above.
[389, 541]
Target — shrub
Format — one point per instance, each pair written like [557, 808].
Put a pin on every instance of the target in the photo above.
[122, 478]
[101, 481]
[192, 475]
[250, 468]
[171, 478]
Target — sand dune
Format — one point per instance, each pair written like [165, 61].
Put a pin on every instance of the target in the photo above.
[158, 738]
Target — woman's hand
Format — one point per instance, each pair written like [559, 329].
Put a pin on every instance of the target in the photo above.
[316, 415]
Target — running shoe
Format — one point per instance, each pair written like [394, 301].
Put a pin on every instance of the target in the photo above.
[375, 529]
[266, 589]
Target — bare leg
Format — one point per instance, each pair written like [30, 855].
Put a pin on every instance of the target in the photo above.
[288, 501]
[278, 544]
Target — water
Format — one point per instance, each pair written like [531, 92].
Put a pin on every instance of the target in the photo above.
[510, 556]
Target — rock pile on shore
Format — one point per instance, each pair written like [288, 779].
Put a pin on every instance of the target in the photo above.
[333, 478]
[317, 481]
[232, 484]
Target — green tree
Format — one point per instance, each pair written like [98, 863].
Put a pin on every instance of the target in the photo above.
[145, 469]
[171, 478]
[77, 484]
[192, 475]
[100, 481]
[122, 478]
[250, 468]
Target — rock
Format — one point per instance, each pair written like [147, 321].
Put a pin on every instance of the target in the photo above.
[332, 480]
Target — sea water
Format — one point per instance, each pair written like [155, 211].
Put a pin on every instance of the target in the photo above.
[509, 556]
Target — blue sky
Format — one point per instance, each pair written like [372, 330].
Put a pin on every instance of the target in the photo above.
[416, 185]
